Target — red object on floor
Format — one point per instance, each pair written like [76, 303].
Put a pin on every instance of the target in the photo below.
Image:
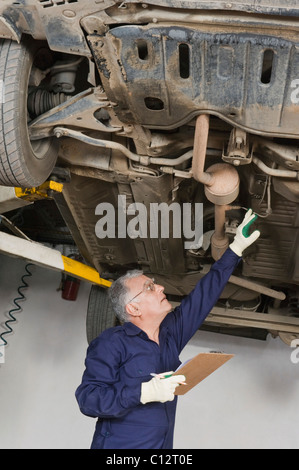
[70, 288]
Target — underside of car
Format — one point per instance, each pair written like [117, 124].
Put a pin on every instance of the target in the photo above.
[136, 104]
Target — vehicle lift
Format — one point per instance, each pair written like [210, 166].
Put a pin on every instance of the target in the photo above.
[20, 246]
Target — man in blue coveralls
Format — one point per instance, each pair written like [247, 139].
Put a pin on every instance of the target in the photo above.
[136, 408]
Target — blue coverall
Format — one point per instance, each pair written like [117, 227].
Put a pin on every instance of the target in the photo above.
[123, 357]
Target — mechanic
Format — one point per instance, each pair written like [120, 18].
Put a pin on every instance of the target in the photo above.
[135, 409]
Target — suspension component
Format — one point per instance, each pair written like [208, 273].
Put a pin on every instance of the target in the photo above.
[40, 101]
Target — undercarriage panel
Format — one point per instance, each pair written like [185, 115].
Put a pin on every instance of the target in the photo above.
[162, 77]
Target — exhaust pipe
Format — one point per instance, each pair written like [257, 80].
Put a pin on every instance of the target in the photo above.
[221, 183]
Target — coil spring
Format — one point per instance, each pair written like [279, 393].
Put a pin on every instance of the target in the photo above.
[12, 319]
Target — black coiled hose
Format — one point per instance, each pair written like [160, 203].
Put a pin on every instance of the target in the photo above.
[12, 319]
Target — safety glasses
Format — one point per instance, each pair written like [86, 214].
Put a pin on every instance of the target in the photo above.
[148, 286]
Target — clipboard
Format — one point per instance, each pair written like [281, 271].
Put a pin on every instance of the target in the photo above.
[197, 369]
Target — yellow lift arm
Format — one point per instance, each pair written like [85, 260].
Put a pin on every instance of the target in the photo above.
[37, 253]
[41, 255]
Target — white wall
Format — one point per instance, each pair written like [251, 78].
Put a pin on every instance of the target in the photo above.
[251, 402]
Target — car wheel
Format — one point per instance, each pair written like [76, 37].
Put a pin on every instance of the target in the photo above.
[23, 162]
[100, 314]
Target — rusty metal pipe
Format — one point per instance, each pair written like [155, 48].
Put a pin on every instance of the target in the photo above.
[219, 240]
[199, 150]
[221, 184]
[274, 171]
[238, 281]
[219, 220]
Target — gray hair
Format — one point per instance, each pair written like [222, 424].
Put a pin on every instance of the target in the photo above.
[119, 294]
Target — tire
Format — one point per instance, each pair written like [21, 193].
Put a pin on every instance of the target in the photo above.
[21, 163]
[100, 314]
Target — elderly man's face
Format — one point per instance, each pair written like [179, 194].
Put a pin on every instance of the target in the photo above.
[150, 297]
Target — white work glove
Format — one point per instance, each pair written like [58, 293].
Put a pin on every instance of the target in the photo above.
[242, 238]
[160, 389]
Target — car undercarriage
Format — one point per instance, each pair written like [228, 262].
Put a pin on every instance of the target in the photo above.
[188, 104]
